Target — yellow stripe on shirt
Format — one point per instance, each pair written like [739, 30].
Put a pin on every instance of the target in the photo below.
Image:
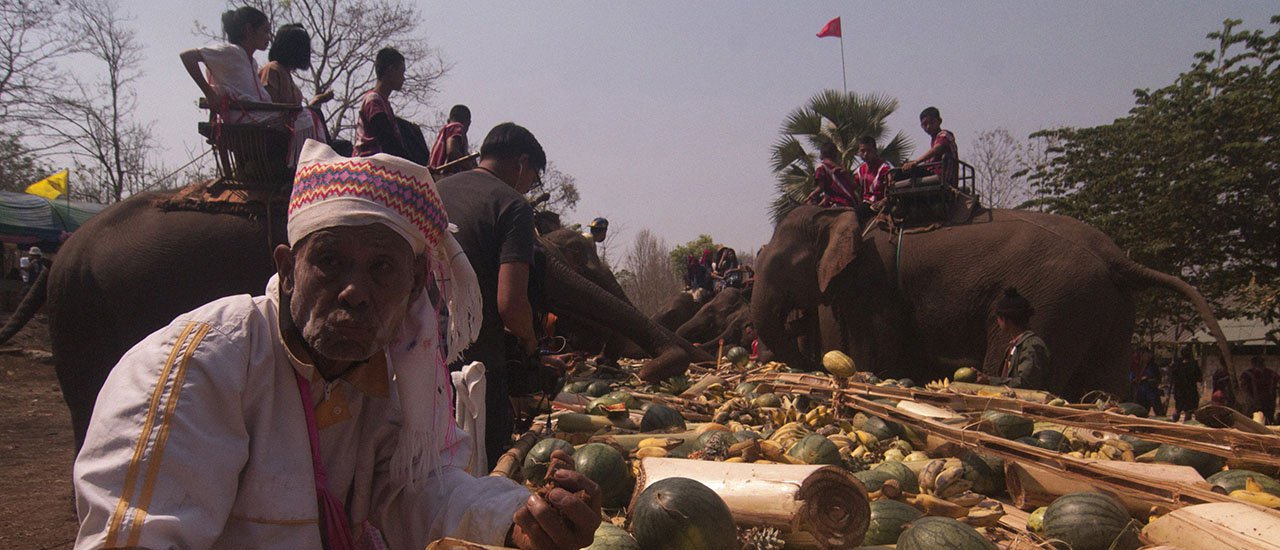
[135, 463]
[153, 465]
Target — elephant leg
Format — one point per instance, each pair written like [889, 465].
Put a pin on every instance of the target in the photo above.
[569, 293]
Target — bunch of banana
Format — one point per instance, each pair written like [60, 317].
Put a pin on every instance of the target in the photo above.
[1113, 449]
[1253, 492]
[818, 416]
[934, 506]
[730, 409]
[843, 442]
[788, 434]
[865, 438]
[894, 454]
[938, 385]
[941, 480]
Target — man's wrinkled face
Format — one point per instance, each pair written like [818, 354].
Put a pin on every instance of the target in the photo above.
[349, 288]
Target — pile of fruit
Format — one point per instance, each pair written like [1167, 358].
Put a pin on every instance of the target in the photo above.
[921, 495]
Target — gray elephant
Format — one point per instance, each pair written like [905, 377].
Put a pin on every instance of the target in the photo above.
[919, 305]
[133, 268]
[726, 318]
[679, 308]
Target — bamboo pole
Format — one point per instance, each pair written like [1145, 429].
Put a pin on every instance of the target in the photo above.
[1255, 448]
[450, 543]
[1214, 526]
[1032, 485]
[822, 506]
[509, 463]
[1177, 494]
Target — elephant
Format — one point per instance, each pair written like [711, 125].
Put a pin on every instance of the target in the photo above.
[726, 318]
[920, 304]
[134, 267]
[679, 308]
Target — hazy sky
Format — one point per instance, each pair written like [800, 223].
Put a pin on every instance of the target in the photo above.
[665, 111]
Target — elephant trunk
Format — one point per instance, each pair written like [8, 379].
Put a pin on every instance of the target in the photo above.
[571, 294]
[773, 315]
[31, 303]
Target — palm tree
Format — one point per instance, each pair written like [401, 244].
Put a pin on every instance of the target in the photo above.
[829, 116]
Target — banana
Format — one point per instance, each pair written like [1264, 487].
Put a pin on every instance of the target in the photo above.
[951, 482]
[929, 475]
[735, 459]
[858, 452]
[894, 455]
[968, 499]
[934, 506]
[915, 455]
[650, 452]
[667, 443]
[865, 438]
[772, 451]
[986, 513]
[1253, 492]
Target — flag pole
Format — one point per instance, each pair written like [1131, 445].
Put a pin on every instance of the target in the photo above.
[843, 75]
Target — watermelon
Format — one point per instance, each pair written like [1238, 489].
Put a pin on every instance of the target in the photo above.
[1008, 426]
[1204, 463]
[538, 459]
[888, 519]
[815, 449]
[1090, 521]
[1233, 480]
[965, 374]
[607, 467]
[737, 356]
[659, 417]
[937, 533]
[682, 514]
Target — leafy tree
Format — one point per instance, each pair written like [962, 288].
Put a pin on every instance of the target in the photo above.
[19, 166]
[692, 248]
[829, 116]
[1187, 181]
[562, 190]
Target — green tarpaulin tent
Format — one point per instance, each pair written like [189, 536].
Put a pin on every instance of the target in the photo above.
[29, 219]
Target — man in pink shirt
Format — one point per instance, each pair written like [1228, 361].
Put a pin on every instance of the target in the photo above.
[941, 159]
[451, 142]
[872, 176]
[833, 187]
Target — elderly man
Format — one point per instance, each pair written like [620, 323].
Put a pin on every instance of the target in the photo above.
[318, 415]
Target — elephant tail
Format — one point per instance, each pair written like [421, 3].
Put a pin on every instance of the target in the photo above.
[1146, 276]
[31, 303]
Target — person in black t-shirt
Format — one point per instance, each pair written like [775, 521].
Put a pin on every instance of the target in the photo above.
[495, 229]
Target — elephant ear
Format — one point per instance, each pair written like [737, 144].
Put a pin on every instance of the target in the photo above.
[842, 244]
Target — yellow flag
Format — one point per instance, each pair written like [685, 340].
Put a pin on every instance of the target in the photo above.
[51, 187]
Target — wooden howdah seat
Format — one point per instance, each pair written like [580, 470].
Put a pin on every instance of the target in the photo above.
[928, 199]
[250, 155]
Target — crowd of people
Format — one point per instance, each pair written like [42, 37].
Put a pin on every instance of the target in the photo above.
[866, 188]
[1174, 387]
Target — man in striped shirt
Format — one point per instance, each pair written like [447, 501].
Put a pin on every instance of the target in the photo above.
[871, 177]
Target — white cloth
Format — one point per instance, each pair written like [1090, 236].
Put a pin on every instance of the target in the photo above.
[198, 440]
[234, 74]
[469, 393]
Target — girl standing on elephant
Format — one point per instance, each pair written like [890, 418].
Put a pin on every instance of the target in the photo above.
[232, 87]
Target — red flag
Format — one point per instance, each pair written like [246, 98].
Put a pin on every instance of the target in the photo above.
[832, 28]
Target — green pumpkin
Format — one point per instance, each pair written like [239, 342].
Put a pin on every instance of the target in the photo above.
[577, 386]
[1233, 480]
[888, 519]
[539, 458]
[767, 400]
[907, 478]
[611, 537]
[816, 449]
[937, 533]
[1052, 440]
[737, 356]
[873, 480]
[965, 374]
[659, 417]
[598, 388]
[608, 468]
[1089, 521]
[881, 428]
[1008, 426]
[682, 514]
[1133, 409]
[986, 473]
[609, 406]
[726, 438]
[1035, 520]
[1204, 463]
[1140, 446]
[745, 389]
[625, 397]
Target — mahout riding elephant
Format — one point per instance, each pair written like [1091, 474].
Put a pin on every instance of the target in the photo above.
[679, 308]
[134, 267]
[726, 318]
[920, 304]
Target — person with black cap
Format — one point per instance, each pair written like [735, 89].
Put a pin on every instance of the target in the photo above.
[597, 230]
[1026, 365]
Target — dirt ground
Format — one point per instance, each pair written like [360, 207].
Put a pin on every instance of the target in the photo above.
[36, 506]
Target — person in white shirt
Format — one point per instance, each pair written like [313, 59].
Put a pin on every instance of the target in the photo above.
[317, 415]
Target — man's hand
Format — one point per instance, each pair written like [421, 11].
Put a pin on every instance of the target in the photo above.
[567, 518]
[909, 165]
